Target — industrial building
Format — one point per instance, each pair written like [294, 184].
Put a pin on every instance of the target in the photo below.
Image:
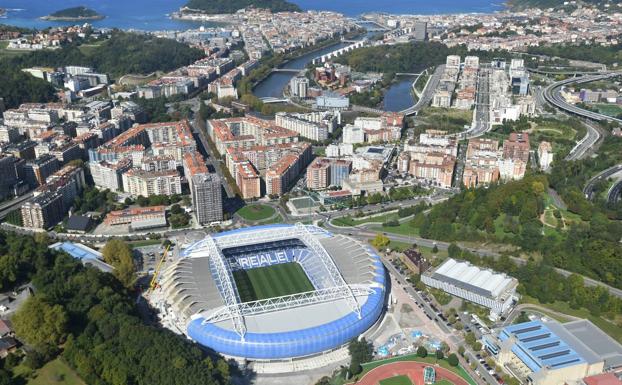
[484, 287]
[552, 353]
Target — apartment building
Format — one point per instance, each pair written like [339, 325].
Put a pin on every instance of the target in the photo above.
[139, 182]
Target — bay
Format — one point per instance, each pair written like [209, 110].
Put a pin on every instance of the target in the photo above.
[150, 15]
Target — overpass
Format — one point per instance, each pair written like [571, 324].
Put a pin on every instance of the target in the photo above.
[588, 190]
[615, 192]
[553, 96]
[340, 51]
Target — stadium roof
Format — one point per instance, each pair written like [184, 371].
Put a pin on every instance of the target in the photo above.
[199, 292]
[472, 278]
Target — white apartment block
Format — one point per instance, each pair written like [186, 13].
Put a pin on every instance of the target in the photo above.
[139, 182]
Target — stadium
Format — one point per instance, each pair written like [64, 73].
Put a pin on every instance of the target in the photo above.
[275, 292]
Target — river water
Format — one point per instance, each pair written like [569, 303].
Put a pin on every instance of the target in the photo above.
[273, 85]
[398, 96]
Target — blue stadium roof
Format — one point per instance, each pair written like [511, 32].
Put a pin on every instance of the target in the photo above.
[540, 347]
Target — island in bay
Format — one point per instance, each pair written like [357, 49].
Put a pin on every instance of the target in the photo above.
[79, 13]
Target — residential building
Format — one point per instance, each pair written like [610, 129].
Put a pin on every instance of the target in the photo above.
[353, 134]
[43, 211]
[110, 175]
[248, 180]
[207, 198]
[139, 182]
[37, 171]
[298, 86]
[545, 155]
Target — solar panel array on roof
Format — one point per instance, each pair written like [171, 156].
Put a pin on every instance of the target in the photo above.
[539, 347]
[472, 278]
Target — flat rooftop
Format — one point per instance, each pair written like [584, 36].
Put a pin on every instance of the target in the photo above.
[472, 278]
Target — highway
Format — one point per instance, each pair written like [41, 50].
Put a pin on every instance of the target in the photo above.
[427, 93]
[588, 190]
[13, 204]
[482, 106]
[615, 193]
[552, 95]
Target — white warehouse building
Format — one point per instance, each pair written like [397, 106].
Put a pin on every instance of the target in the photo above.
[484, 287]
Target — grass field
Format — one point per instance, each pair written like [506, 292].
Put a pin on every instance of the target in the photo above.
[397, 380]
[56, 372]
[271, 281]
[255, 212]
[609, 109]
[413, 357]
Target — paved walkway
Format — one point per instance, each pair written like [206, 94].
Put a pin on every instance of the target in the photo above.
[414, 371]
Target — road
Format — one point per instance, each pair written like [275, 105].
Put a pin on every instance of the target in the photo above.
[615, 193]
[588, 190]
[552, 94]
[364, 232]
[211, 160]
[11, 205]
[482, 105]
[427, 93]
[455, 338]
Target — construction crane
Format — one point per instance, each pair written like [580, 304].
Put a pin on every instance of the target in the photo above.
[154, 280]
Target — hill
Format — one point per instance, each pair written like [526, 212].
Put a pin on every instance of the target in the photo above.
[74, 14]
[122, 53]
[232, 6]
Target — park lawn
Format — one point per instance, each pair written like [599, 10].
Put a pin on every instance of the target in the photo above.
[276, 219]
[256, 212]
[56, 372]
[398, 246]
[609, 109]
[605, 325]
[403, 229]
[350, 221]
[397, 380]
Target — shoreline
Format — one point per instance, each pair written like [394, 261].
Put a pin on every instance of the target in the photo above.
[81, 18]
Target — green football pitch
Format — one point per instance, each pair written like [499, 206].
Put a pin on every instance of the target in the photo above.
[397, 380]
[271, 281]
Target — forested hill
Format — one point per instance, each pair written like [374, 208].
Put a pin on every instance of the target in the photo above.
[231, 6]
[408, 57]
[75, 13]
[122, 53]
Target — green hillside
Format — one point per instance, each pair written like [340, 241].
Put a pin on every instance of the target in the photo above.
[231, 6]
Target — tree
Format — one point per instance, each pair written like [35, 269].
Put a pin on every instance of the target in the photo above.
[452, 359]
[119, 254]
[40, 323]
[361, 351]
[380, 241]
[422, 352]
[439, 354]
[435, 249]
[461, 351]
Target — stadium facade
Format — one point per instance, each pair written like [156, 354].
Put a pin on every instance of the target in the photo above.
[202, 294]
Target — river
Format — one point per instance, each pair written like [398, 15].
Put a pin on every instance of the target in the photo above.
[398, 96]
[273, 85]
